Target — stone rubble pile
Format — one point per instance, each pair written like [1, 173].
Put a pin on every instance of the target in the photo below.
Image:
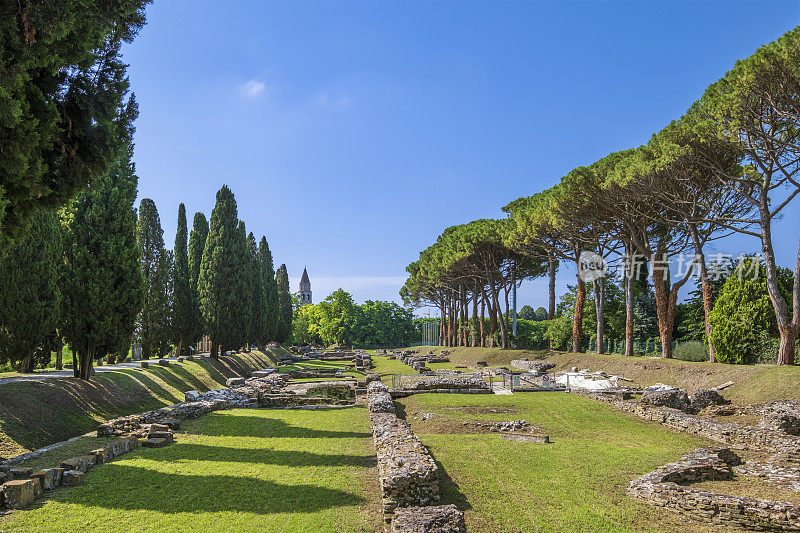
[432, 519]
[781, 416]
[506, 426]
[532, 366]
[681, 400]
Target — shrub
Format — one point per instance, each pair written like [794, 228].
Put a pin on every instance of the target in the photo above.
[691, 351]
[743, 315]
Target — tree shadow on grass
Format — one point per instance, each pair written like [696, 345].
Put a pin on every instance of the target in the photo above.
[226, 425]
[150, 384]
[449, 490]
[266, 456]
[133, 488]
[190, 379]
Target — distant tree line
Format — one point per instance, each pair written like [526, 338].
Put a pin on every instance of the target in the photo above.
[731, 163]
[339, 320]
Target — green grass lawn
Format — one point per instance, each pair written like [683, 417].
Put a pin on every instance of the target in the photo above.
[237, 470]
[577, 483]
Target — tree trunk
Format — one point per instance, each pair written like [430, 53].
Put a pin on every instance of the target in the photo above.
[705, 284]
[600, 302]
[629, 312]
[483, 318]
[86, 361]
[492, 318]
[442, 323]
[26, 365]
[577, 319]
[551, 306]
[788, 329]
[474, 328]
[214, 350]
[76, 369]
[60, 355]
[662, 310]
[179, 346]
[508, 311]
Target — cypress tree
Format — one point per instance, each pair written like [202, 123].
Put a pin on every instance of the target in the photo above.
[102, 285]
[153, 325]
[284, 306]
[257, 295]
[29, 295]
[219, 282]
[244, 309]
[63, 84]
[197, 241]
[182, 298]
[268, 317]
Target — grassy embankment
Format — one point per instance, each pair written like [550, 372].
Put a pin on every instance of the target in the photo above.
[37, 413]
[237, 470]
[577, 483]
[752, 383]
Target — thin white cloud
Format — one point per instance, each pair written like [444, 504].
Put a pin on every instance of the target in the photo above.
[323, 99]
[253, 88]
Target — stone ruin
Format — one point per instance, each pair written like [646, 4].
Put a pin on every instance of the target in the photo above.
[447, 383]
[21, 485]
[668, 486]
[532, 366]
[409, 477]
[274, 390]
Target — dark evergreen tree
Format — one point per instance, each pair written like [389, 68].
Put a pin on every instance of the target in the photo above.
[153, 328]
[63, 84]
[220, 278]
[268, 321]
[197, 241]
[183, 301]
[102, 285]
[285, 310]
[29, 296]
[244, 309]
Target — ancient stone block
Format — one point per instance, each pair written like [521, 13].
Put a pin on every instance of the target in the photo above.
[673, 398]
[72, 478]
[703, 398]
[82, 463]
[144, 364]
[18, 493]
[99, 456]
[433, 519]
[166, 435]
[163, 362]
[155, 443]
[50, 477]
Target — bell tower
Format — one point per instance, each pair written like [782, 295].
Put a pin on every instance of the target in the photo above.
[305, 289]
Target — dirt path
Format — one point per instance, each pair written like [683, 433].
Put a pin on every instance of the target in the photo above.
[50, 374]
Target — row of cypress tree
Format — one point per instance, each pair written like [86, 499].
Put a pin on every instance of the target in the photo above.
[96, 275]
[216, 281]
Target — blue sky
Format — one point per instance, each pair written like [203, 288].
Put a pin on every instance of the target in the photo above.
[353, 133]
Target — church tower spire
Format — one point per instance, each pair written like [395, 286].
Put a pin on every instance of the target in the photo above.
[305, 288]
